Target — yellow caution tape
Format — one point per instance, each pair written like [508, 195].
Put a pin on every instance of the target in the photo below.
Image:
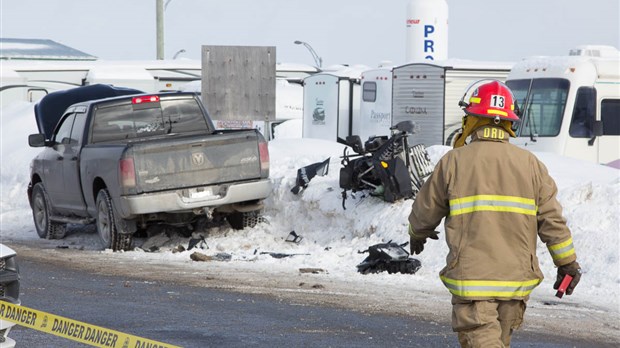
[74, 330]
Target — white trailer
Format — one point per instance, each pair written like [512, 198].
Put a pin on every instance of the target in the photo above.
[375, 116]
[332, 104]
[570, 104]
[12, 86]
[38, 78]
[428, 94]
[31, 80]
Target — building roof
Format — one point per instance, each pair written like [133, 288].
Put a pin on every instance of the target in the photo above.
[39, 49]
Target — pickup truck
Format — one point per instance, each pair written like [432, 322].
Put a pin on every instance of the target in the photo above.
[127, 161]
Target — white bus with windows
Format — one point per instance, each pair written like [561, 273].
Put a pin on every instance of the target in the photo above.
[571, 104]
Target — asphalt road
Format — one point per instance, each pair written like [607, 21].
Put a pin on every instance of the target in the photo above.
[191, 316]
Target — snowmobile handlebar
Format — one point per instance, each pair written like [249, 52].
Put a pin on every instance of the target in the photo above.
[404, 127]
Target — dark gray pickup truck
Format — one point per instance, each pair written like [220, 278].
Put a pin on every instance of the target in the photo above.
[130, 161]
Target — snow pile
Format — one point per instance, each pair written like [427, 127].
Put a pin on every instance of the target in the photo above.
[332, 236]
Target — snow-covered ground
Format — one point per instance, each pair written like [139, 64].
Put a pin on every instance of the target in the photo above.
[332, 236]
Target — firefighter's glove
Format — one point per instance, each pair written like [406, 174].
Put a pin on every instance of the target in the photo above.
[571, 269]
[417, 241]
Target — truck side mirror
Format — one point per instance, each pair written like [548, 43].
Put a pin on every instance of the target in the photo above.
[36, 140]
[597, 131]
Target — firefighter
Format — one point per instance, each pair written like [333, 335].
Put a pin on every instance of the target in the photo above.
[497, 199]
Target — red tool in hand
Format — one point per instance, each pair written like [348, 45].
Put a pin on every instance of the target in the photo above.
[563, 285]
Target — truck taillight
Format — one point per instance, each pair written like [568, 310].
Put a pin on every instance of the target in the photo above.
[145, 99]
[128, 172]
[263, 150]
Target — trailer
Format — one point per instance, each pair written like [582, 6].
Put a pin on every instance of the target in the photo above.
[12, 86]
[38, 78]
[570, 104]
[375, 117]
[428, 95]
[332, 103]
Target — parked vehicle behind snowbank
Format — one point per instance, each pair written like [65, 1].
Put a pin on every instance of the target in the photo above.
[570, 104]
[9, 290]
[136, 160]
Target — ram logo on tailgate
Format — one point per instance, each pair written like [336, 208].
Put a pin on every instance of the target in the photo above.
[198, 158]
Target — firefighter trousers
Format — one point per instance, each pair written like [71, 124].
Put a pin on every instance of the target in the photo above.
[487, 323]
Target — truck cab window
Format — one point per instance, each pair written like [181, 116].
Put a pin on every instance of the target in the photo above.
[610, 115]
[183, 116]
[77, 132]
[63, 135]
[584, 113]
[124, 122]
[121, 122]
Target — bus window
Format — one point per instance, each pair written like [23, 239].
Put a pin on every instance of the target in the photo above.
[610, 115]
[584, 113]
[542, 104]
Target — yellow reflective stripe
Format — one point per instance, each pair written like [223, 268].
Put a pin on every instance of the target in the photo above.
[490, 288]
[492, 197]
[474, 100]
[497, 112]
[493, 208]
[510, 204]
[562, 250]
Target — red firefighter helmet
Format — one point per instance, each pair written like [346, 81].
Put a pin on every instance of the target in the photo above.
[492, 99]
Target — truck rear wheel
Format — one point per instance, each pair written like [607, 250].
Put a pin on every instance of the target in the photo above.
[41, 213]
[241, 220]
[106, 224]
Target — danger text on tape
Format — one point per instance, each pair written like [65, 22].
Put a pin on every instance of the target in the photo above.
[74, 330]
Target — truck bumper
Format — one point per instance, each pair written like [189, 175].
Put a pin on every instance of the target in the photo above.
[189, 199]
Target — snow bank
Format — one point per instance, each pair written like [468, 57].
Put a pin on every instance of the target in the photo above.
[332, 236]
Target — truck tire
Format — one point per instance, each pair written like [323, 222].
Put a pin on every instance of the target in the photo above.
[240, 220]
[106, 224]
[41, 213]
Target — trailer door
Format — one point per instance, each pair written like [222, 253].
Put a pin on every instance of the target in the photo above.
[418, 95]
[321, 107]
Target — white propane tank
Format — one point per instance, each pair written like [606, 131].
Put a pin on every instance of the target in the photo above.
[427, 30]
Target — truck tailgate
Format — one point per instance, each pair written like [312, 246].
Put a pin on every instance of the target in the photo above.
[185, 162]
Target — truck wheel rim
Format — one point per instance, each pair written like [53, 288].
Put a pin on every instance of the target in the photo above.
[104, 222]
[40, 214]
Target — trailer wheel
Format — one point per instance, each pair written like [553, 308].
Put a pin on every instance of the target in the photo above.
[241, 220]
[106, 224]
[41, 213]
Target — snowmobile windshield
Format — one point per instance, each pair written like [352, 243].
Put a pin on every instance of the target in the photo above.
[542, 102]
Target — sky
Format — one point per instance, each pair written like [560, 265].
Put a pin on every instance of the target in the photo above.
[332, 236]
[341, 32]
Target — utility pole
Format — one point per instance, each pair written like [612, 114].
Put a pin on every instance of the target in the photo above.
[160, 28]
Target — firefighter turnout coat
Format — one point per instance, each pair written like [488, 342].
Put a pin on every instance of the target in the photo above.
[497, 200]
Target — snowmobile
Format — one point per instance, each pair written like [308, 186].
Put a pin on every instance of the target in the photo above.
[387, 167]
[390, 257]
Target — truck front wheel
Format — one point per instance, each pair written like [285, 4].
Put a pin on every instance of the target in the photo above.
[106, 224]
[41, 213]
